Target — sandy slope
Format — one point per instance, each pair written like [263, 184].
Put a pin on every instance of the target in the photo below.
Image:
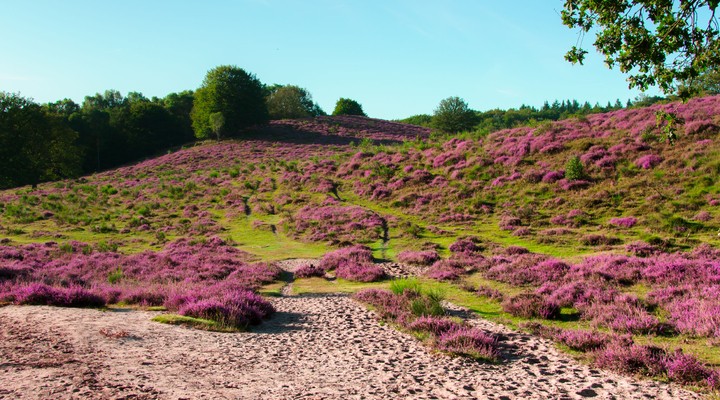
[315, 347]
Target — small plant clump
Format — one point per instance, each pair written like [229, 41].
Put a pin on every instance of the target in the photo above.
[417, 310]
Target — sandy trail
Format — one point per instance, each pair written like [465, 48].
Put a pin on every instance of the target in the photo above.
[315, 347]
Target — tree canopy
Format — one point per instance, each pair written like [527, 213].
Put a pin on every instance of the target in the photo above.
[35, 144]
[453, 115]
[237, 95]
[348, 107]
[655, 42]
[290, 102]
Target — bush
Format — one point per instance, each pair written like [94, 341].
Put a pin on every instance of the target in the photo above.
[348, 107]
[471, 342]
[453, 115]
[308, 271]
[531, 305]
[575, 170]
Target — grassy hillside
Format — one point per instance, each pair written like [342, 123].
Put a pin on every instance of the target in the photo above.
[591, 223]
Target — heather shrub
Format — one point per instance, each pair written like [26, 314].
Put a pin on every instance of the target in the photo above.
[490, 293]
[468, 245]
[641, 249]
[582, 340]
[686, 369]
[469, 342]
[599, 240]
[235, 309]
[622, 315]
[358, 254]
[630, 359]
[359, 272]
[531, 305]
[419, 257]
[41, 294]
[445, 270]
[625, 222]
[308, 271]
[433, 325]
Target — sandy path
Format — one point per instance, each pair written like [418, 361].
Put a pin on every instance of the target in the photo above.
[315, 347]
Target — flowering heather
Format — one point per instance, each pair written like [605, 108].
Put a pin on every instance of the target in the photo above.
[622, 316]
[433, 325]
[360, 272]
[308, 271]
[641, 249]
[531, 305]
[624, 222]
[648, 161]
[338, 224]
[470, 342]
[490, 293]
[427, 257]
[469, 245]
[582, 340]
[41, 294]
[445, 270]
[357, 254]
[235, 308]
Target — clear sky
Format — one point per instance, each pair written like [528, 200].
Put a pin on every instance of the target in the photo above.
[396, 57]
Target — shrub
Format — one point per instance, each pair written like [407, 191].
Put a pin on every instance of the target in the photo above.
[419, 257]
[581, 340]
[531, 305]
[309, 270]
[624, 222]
[348, 107]
[471, 342]
[574, 169]
[359, 272]
[433, 325]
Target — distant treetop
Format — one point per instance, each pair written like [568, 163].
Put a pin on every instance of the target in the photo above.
[348, 107]
[228, 100]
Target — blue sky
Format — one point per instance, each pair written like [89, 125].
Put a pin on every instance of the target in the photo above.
[396, 57]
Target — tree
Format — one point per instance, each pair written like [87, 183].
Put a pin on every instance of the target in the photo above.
[453, 115]
[348, 107]
[655, 42]
[290, 102]
[36, 145]
[234, 93]
[574, 169]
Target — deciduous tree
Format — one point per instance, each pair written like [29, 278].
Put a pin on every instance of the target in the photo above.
[655, 42]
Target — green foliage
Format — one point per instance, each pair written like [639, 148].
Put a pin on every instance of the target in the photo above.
[237, 95]
[420, 120]
[655, 42]
[574, 169]
[453, 115]
[116, 276]
[348, 107]
[411, 285]
[35, 144]
[292, 102]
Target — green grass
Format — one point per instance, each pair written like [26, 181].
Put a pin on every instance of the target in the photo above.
[197, 323]
[321, 285]
[268, 246]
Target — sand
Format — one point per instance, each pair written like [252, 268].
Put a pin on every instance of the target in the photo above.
[314, 347]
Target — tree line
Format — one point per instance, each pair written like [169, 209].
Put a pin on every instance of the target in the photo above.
[44, 142]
